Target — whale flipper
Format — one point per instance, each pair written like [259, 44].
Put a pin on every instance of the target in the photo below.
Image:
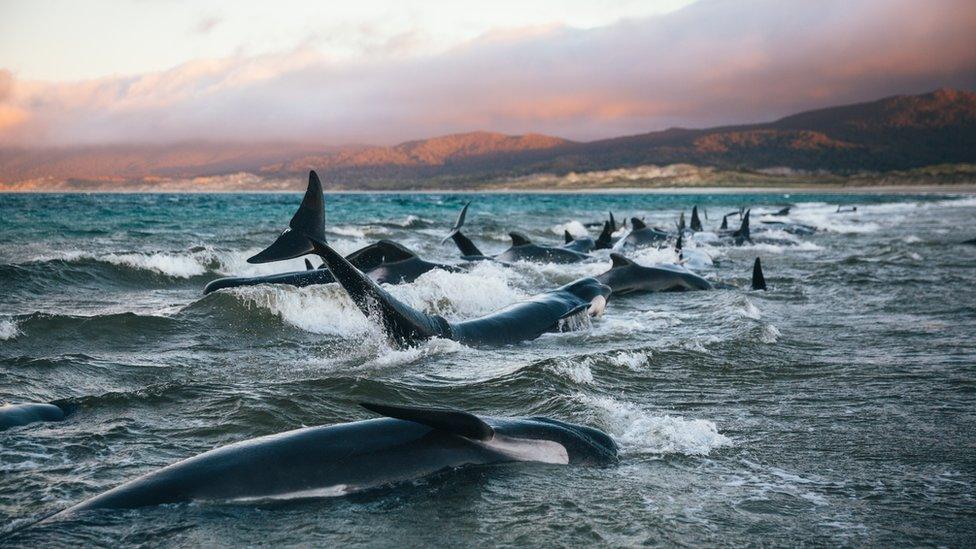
[456, 422]
[378, 253]
[519, 239]
[696, 224]
[758, 280]
[308, 265]
[462, 242]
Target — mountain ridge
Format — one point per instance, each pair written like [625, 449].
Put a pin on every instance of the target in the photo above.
[898, 132]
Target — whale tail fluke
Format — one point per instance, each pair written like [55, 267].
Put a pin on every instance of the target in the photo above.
[696, 224]
[462, 242]
[456, 422]
[758, 280]
[308, 222]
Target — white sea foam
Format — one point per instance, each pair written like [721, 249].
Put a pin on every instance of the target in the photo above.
[576, 369]
[8, 329]
[388, 356]
[769, 333]
[459, 295]
[574, 227]
[324, 309]
[641, 431]
[631, 360]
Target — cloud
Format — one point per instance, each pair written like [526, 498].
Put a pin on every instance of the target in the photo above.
[715, 62]
[207, 24]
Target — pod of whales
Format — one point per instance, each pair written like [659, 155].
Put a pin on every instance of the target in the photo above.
[406, 443]
[522, 249]
[555, 310]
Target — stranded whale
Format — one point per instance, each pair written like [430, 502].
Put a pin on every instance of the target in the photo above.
[556, 310]
[407, 443]
[626, 276]
[522, 249]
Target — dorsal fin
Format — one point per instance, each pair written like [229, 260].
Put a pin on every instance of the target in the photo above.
[519, 239]
[696, 224]
[462, 424]
[613, 223]
[637, 224]
[679, 244]
[567, 237]
[619, 260]
[681, 221]
[758, 280]
[725, 222]
[308, 265]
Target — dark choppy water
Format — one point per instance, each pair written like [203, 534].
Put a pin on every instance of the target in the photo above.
[837, 408]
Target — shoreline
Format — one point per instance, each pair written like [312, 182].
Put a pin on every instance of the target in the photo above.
[969, 188]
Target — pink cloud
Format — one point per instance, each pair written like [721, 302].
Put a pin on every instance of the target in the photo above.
[715, 62]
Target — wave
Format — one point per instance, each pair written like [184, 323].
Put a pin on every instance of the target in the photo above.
[8, 329]
[639, 431]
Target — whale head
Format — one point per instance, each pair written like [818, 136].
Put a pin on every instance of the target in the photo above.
[591, 291]
[578, 444]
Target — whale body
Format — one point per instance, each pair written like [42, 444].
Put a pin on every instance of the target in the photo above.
[15, 415]
[408, 443]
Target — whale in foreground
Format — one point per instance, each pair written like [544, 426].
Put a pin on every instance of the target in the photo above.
[522, 249]
[15, 415]
[407, 443]
[556, 310]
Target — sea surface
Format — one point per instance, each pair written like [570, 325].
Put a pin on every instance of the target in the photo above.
[837, 408]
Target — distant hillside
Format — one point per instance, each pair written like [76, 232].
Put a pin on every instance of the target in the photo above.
[895, 133]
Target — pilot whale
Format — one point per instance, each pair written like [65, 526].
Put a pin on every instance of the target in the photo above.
[642, 235]
[15, 415]
[522, 249]
[626, 277]
[386, 262]
[555, 310]
[406, 443]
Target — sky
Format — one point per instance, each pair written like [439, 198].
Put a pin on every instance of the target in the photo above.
[369, 71]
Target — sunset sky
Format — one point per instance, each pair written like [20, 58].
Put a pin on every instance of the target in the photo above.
[105, 72]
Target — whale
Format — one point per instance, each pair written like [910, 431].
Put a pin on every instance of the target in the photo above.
[606, 240]
[404, 444]
[522, 248]
[582, 244]
[386, 261]
[561, 309]
[641, 235]
[16, 415]
[792, 228]
[625, 276]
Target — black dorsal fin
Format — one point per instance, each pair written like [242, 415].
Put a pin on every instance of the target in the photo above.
[613, 223]
[567, 237]
[696, 224]
[758, 280]
[679, 244]
[637, 224]
[458, 423]
[308, 265]
[725, 222]
[519, 239]
[619, 260]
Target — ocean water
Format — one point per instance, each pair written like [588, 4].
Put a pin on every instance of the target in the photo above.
[838, 408]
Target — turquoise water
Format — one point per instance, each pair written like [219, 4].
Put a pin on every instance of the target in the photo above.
[836, 408]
